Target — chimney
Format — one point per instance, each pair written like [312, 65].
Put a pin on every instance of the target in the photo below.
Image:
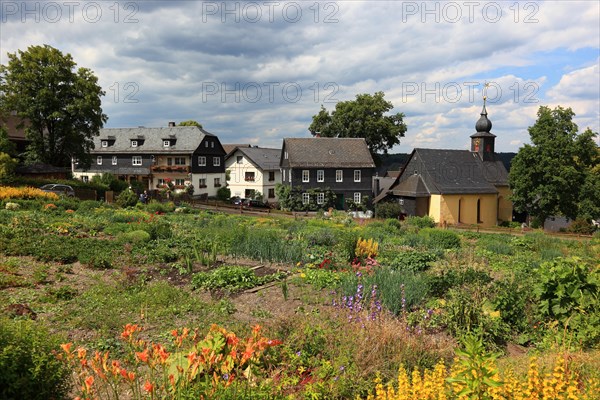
[172, 124]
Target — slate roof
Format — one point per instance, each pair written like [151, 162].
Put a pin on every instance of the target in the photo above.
[328, 153]
[187, 140]
[454, 172]
[265, 159]
[231, 147]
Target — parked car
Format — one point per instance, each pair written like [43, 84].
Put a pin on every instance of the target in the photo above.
[237, 201]
[59, 189]
[255, 204]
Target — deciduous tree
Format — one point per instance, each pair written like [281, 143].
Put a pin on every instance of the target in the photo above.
[362, 118]
[61, 104]
[558, 172]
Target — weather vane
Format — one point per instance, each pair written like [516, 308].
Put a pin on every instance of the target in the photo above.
[485, 86]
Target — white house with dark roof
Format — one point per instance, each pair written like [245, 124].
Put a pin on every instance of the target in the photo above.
[253, 169]
[342, 165]
[182, 155]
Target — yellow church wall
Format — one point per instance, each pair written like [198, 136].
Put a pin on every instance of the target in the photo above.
[505, 207]
[434, 207]
[454, 209]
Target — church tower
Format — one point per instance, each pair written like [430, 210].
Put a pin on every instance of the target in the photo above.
[482, 142]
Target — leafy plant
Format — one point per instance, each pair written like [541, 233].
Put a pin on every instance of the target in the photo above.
[568, 291]
[29, 368]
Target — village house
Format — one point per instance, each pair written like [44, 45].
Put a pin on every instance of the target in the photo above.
[342, 165]
[252, 171]
[180, 155]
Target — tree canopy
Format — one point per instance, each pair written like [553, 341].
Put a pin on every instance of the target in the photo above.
[190, 122]
[559, 172]
[61, 104]
[362, 118]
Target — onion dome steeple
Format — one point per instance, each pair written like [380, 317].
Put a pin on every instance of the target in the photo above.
[482, 142]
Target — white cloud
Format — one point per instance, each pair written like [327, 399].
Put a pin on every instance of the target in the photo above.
[176, 49]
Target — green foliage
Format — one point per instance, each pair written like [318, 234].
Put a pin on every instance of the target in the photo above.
[138, 236]
[411, 261]
[230, 278]
[224, 193]
[362, 118]
[62, 105]
[441, 239]
[191, 122]
[581, 226]
[111, 181]
[568, 291]
[7, 167]
[6, 145]
[388, 210]
[557, 173]
[30, 370]
[478, 372]
[420, 222]
[127, 198]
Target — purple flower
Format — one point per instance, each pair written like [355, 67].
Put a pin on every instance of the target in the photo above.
[298, 353]
[342, 368]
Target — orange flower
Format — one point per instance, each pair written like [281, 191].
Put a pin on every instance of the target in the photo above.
[89, 381]
[66, 347]
[81, 353]
[148, 387]
[142, 356]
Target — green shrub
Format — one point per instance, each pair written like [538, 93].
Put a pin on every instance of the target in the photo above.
[155, 207]
[568, 292]
[321, 237]
[388, 210]
[442, 239]
[158, 229]
[138, 236]
[581, 226]
[420, 222]
[440, 284]
[127, 198]
[30, 370]
[411, 261]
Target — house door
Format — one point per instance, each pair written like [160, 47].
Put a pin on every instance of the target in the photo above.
[339, 201]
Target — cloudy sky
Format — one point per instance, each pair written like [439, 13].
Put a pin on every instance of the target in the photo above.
[256, 72]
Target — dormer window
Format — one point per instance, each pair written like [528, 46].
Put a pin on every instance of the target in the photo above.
[104, 143]
[134, 143]
[206, 144]
[166, 143]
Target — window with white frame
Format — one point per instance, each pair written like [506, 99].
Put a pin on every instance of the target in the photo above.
[114, 160]
[285, 155]
[202, 182]
[217, 161]
[305, 175]
[206, 144]
[212, 145]
[134, 143]
[290, 175]
[136, 160]
[357, 175]
[85, 178]
[283, 175]
[99, 160]
[179, 182]
[105, 143]
[201, 161]
[166, 143]
[357, 197]
[305, 198]
[217, 182]
[179, 160]
[339, 175]
[161, 182]
[320, 198]
[320, 175]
